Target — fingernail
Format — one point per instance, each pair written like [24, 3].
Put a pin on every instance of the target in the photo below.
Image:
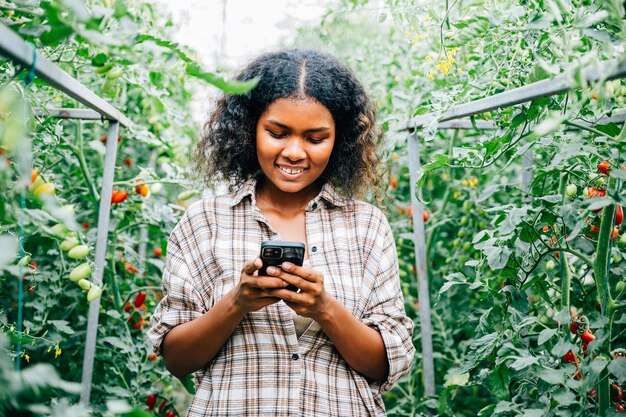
[286, 266]
[271, 270]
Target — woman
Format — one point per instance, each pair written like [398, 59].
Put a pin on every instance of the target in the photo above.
[296, 150]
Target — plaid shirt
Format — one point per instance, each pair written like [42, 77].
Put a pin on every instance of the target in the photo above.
[264, 369]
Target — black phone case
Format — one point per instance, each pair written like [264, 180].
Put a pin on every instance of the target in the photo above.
[292, 252]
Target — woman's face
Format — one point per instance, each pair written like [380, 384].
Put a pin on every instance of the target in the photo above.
[294, 140]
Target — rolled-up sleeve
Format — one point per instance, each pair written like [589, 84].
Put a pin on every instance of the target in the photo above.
[181, 301]
[386, 311]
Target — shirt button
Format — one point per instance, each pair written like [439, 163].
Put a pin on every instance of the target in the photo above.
[314, 206]
[314, 249]
[295, 356]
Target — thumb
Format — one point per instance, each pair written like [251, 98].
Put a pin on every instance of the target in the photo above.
[252, 266]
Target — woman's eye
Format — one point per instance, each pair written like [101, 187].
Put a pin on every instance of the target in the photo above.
[276, 135]
[316, 141]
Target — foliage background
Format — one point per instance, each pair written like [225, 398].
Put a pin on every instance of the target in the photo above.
[501, 297]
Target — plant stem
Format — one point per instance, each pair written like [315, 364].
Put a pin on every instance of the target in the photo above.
[600, 269]
[80, 155]
[566, 273]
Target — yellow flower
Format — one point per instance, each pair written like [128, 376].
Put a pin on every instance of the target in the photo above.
[420, 38]
[444, 67]
[428, 58]
[430, 76]
[57, 352]
[451, 60]
[460, 70]
[25, 356]
[412, 41]
[427, 19]
[464, 182]
[407, 33]
[457, 194]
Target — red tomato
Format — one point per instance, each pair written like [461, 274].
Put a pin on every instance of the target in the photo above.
[595, 192]
[170, 414]
[152, 357]
[616, 393]
[118, 196]
[128, 162]
[131, 268]
[139, 299]
[587, 336]
[394, 182]
[619, 407]
[158, 252]
[142, 189]
[425, 215]
[604, 166]
[151, 401]
[127, 307]
[162, 405]
[619, 215]
[570, 357]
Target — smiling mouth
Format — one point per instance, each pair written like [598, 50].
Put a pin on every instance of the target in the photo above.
[291, 171]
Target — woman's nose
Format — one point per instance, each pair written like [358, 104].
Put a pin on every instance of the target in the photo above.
[294, 150]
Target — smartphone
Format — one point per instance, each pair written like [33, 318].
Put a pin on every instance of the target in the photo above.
[275, 252]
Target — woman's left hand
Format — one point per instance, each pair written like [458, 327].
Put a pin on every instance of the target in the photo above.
[312, 301]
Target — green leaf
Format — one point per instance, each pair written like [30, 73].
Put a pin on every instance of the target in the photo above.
[456, 380]
[564, 397]
[545, 335]
[551, 376]
[500, 381]
[617, 368]
[230, 87]
[478, 350]
[524, 362]
[439, 161]
[62, 326]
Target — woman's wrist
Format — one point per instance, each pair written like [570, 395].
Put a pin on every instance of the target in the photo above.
[327, 311]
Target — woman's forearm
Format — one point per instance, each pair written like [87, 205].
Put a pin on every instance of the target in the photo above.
[190, 346]
[362, 347]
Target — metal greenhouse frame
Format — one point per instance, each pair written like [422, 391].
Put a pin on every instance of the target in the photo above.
[451, 120]
[24, 54]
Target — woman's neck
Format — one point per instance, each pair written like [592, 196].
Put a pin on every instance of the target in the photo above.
[271, 197]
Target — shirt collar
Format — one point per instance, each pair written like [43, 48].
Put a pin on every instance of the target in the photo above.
[328, 193]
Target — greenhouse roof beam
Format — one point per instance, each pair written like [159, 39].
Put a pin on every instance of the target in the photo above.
[466, 124]
[74, 114]
[539, 89]
[24, 53]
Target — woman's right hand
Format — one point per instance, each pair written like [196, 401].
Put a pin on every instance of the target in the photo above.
[251, 294]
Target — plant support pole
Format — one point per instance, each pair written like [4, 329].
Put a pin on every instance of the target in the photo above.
[101, 247]
[422, 272]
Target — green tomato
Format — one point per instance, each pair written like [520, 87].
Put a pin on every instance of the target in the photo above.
[571, 190]
[59, 230]
[94, 292]
[464, 220]
[467, 246]
[600, 181]
[85, 284]
[81, 271]
[114, 73]
[623, 238]
[187, 194]
[79, 252]
[24, 260]
[467, 206]
[619, 287]
[550, 265]
[68, 244]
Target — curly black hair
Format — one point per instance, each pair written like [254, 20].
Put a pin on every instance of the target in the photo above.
[227, 147]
